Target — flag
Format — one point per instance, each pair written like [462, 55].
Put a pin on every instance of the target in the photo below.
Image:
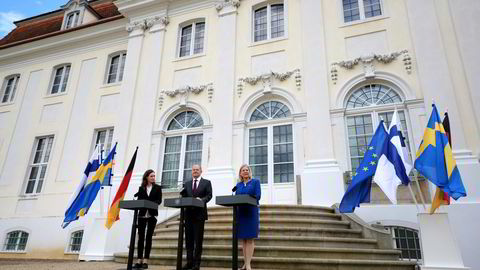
[394, 165]
[441, 197]
[114, 211]
[89, 192]
[359, 189]
[435, 158]
[92, 166]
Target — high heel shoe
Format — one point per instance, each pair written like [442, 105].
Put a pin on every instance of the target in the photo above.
[243, 268]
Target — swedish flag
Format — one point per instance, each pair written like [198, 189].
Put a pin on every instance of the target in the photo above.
[435, 158]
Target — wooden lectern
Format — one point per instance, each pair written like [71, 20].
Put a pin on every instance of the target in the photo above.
[135, 205]
[182, 203]
[235, 201]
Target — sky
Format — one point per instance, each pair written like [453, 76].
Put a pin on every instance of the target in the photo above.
[14, 10]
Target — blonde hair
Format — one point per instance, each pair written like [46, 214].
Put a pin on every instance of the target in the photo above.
[249, 172]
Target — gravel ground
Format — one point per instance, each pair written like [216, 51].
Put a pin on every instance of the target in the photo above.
[14, 264]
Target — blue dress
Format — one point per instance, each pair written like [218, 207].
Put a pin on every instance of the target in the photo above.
[248, 219]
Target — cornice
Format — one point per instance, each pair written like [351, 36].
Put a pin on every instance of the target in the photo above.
[368, 63]
[227, 3]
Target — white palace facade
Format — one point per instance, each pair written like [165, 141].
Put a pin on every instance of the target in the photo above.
[295, 88]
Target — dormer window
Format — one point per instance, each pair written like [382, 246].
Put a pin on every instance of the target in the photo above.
[72, 19]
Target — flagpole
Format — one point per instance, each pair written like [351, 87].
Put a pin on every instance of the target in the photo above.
[415, 173]
[414, 199]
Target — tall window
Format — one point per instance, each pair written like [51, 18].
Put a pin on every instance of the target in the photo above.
[354, 10]
[103, 140]
[191, 39]
[270, 151]
[116, 67]
[60, 79]
[406, 240]
[15, 241]
[268, 22]
[75, 241]
[360, 127]
[72, 19]
[38, 164]
[182, 150]
[9, 88]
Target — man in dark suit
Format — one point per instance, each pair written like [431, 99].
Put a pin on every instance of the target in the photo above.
[201, 189]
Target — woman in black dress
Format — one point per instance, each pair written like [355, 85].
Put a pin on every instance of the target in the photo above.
[147, 218]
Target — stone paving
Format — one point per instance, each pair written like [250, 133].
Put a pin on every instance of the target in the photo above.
[15, 264]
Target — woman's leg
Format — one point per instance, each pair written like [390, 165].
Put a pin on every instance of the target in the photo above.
[249, 253]
[142, 223]
[244, 248]
[150, 229]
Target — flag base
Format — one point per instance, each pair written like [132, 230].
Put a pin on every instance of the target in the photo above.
[95, 244]
[440, 248]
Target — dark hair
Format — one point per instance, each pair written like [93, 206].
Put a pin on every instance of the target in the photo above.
[145, 176]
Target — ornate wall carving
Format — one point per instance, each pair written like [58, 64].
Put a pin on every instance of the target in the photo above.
[267, 80]
[184, 92]
[147, 23]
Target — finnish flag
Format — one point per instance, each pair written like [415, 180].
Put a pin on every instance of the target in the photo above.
[394, 165]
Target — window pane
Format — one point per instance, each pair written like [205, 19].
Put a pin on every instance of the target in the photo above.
[258, 136]
[112, 73]
[282, 134]
[270, 110]
[360, 131]
[199, 37]
[65, 78]
[351, 10]
[260, 172]
[277, 21]
[260, 24]
[283, 173]
[123, 58]
[185, 40]
[372, 8]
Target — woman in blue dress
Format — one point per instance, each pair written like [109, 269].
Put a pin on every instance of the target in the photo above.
[248, 216]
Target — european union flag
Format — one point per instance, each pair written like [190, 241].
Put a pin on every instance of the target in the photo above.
[435, 158]
[359, 190]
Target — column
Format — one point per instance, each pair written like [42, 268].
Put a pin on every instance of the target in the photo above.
[220, 170]
[322, 182]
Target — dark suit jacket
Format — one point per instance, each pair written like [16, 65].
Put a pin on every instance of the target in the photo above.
[155, 196]
[204, 192]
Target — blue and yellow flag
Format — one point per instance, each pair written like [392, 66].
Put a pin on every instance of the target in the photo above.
[435, 158]
[82, 202]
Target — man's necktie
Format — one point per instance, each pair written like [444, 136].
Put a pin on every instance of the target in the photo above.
[194, 185]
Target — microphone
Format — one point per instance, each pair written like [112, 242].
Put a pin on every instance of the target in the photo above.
[234, 189]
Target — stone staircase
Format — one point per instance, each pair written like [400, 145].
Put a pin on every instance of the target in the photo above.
[291, 237]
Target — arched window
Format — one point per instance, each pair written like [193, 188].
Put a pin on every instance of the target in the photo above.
[183, 148]
[75, 241]
[362, 125]
[15, 241]
[270, 152]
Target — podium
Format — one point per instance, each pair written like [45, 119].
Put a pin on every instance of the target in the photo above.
[135, 205]
[235, 201]
[182, 203]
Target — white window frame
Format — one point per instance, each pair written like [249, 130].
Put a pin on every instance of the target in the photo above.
[391, 228]
[17, 242]
[109, 135]
[361, 10]
[13, 90]
[75, 19]
[31, 164]
[192, 23]
[61, 91]
[70, 241]
[269, 38]
[122, 62]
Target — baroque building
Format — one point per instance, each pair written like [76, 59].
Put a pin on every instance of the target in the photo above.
[294, 88]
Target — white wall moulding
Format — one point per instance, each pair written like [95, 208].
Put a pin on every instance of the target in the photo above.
[368, 63]
[147, 23]
[267, 80]
[184, 92]
[227, 3]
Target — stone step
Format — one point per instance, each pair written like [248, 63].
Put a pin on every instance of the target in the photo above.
[295, 241]
[277, 222]
[273, 231]
[285, 263]
[291, 252]
[272, 213]
[280, 207]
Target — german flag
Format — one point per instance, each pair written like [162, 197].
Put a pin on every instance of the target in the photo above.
[114, 211]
